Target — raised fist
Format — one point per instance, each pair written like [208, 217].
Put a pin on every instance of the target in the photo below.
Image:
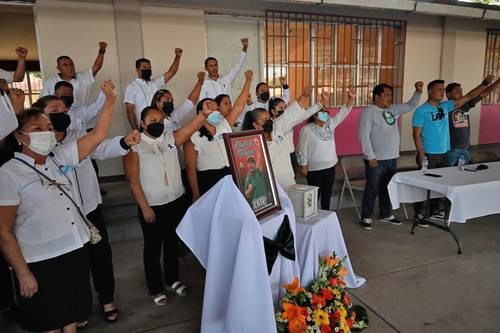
[282, 80]
[133, 138]
[249, 74]
[103, 45]
[178, 52]
[244, 42]
[201, 76]
[108, 88]
[419, 86]
[351, 92]
[21, 52]
[323, 98]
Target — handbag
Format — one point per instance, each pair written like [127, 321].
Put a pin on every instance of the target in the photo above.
[95, 235]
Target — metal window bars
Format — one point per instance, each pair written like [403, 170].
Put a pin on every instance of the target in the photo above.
[492, 62]
[331, 53]
[32, 86]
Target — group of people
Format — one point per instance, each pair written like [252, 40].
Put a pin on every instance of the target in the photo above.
[51, 221]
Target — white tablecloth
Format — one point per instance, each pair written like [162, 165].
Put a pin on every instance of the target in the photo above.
[472, 194]
[224, 234]
[318, 236]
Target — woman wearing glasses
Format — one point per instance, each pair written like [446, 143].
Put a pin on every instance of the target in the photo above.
[43, 232]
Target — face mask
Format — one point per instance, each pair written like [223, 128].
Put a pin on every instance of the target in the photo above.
[60, 121]
[68, 100]
[168, 107]
[42, 143]
[146, 74]
[264, 96]
[323, 116]
[279, 112]
[155, 129]
[268, 126]
[214, 118]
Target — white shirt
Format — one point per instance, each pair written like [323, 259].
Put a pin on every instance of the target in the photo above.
[8, 119]
[213, 88]
[47, 223]
[316, 147]
[140, 93]
[82, 83]
[179, 113]
[212, 155]
[159, 169]
[279, 149]
[263, 105]
[83, 116]
[6, 75]
[83, 176]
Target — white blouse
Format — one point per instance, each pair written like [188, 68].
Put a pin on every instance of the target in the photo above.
[159, 169]
[212, 154]
[47, 223]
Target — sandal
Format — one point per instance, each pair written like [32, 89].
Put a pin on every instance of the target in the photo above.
[160, 300]
[111, 315]
[83, 324]
[179, 288]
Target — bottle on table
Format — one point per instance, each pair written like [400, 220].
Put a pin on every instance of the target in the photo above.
[461, 163]
[425, 164]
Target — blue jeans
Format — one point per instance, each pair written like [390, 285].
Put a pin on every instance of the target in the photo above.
[377, 180]
[454, 155]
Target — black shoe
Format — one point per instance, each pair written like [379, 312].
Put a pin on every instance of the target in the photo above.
[392, 220]
[439, 215]
[421, 222]
[366, 223]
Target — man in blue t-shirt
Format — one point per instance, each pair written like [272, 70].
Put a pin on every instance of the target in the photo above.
[431, 132]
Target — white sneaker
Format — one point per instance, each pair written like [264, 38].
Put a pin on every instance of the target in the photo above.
[392, 220]
[366, 223]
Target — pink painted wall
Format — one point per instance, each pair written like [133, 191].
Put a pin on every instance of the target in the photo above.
[489, 124]
[346, 134]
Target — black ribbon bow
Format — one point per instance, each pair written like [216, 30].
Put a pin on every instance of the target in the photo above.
[283, 244]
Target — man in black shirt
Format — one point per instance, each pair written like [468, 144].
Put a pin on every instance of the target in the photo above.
[459, 121]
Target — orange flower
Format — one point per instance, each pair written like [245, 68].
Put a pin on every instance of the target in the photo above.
[326, 329]
[327, 294]
[318, 301]
[347, 300]
[343, 272]
[349, 322]
[297, 325]
[334, 282]
[293, 311]
[294, 287]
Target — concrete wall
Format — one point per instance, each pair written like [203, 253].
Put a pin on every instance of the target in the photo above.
[447, 48]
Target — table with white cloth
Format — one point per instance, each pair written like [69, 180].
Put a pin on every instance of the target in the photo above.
[321, 235]
[471, 193]
[223, 233]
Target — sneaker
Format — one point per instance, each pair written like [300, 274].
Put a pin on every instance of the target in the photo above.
[439, 215]
[366, 223]
[421, 222]
[392, 220]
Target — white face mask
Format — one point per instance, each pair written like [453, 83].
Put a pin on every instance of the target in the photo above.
[42, 143]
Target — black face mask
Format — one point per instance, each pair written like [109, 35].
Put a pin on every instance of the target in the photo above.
[279, 112]
[264, 96]
[268, 126]
[146, 74]
[68, 100]
[60, 121]
[155, 129]
[168, 107]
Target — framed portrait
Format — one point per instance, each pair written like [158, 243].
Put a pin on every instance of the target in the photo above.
[252, 170]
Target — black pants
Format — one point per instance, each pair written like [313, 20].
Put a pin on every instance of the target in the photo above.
[434, 161]
[324, 179]
[6, 286]
[377, 180]
[160, 234]
[101, 260]
[208, 178]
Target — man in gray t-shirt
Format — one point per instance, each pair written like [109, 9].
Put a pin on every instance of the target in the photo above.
[379, 136]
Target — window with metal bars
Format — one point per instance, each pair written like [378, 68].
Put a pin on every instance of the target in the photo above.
[32, 86]
[331, 53]
[492, 62]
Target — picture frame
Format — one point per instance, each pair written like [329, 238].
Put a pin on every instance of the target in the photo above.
[252, 170]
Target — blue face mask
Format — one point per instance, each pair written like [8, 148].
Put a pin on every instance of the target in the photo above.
[323, 116]
[214, 118]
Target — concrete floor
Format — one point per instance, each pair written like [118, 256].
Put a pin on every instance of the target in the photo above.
[415, 283]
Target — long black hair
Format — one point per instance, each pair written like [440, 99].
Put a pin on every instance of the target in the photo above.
[250, 118]
[203, 130]
[158, 95]
[42, 102]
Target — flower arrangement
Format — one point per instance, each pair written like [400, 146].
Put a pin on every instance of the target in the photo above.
[324, 307]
